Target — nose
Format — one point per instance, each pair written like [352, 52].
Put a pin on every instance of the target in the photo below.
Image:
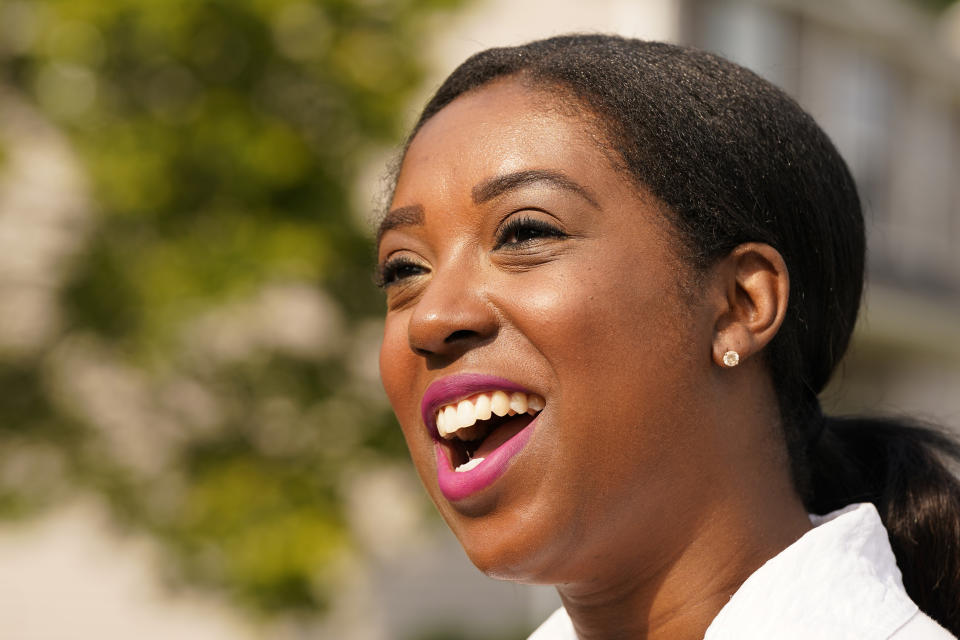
[452, 316]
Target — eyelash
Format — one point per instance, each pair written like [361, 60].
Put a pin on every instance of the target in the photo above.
[515, 227]
[392, 271]
[397, 269]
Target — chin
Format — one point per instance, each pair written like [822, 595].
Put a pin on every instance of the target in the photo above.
[506, 564]
[517, 553]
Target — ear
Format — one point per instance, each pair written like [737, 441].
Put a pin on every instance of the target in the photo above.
[756, 288]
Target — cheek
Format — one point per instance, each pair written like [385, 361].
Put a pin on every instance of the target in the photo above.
[396, 367]
[603, 319]
[618, 342]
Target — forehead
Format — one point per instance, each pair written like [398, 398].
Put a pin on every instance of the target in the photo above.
[501, 128]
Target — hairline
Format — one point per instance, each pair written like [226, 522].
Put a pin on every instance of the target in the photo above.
[602, 133]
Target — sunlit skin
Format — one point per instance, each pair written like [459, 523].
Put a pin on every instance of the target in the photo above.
[656, 480]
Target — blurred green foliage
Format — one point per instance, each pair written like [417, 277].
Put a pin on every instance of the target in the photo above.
[934, 5]
[221, 140]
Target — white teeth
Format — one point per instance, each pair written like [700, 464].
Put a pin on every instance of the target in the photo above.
[535, 402]
[470, 464]
[482, 407]
[518, 402]
[465, 414]
[450, 418]
[500, 403]
[459, 418]
[442, 423]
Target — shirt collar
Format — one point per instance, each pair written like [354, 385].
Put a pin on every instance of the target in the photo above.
[839, 580]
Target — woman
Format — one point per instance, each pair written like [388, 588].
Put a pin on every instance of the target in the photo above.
[617, 275]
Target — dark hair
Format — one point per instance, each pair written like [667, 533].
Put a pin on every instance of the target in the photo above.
[736, 160]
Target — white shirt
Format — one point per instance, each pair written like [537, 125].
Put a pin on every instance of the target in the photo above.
[839, 581]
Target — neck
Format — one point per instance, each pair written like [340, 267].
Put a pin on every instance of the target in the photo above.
[679, 599]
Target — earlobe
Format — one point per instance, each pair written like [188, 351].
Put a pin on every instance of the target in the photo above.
[757, 289]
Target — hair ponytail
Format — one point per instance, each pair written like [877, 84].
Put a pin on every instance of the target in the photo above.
[900, 467]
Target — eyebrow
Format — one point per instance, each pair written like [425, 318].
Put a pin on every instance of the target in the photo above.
[413, 215]
[400, 217]
[497, 186]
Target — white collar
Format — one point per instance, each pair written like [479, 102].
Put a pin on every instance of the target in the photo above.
[839, 580]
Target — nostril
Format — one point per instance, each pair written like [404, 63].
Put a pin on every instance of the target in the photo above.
[460, 334]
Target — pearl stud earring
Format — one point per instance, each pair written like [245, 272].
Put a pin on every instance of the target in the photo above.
[731, 359]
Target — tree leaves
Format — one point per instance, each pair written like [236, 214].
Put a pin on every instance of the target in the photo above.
[205, 376]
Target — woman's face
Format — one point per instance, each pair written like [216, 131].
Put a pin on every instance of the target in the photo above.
[516, 259]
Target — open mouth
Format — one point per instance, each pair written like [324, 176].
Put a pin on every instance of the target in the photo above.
[473, 428]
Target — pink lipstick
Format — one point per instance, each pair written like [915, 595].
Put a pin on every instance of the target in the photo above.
[506, 439]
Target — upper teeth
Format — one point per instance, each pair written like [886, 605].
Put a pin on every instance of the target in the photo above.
[458, 417]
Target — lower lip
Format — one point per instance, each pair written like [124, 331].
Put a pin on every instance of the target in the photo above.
[459, 485]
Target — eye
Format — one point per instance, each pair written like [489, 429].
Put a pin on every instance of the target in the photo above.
[397, 269]
[523, 230]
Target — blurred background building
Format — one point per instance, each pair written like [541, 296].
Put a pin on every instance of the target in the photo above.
[193, 440]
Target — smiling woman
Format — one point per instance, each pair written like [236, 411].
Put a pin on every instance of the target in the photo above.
[617, 275]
